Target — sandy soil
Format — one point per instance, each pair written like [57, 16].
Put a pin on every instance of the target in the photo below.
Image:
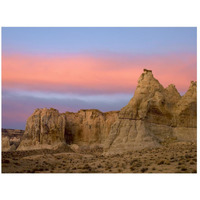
[172, 158]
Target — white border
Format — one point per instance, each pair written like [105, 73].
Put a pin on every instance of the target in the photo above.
[100, 13]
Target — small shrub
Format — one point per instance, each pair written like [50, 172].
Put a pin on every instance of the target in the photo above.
[180, 163]
[87, 167]
[188, 156]
[16, 163]
[194, 171]
[161, 162]
[6, 161]
[183, 169]
[132, 168]
[144, 170]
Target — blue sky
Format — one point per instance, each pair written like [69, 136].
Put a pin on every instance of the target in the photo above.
[99, 40]
[81, 68]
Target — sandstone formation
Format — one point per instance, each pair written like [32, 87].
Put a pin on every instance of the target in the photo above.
[5, 144]
[155, 115]
[47, 128]
[89, 127]
[11, 139]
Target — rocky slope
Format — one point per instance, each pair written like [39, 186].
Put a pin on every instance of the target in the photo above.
[155, 115]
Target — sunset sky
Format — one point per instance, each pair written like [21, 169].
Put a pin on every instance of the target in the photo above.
[80, 68]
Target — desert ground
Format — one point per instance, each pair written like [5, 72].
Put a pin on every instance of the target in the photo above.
[170, 158]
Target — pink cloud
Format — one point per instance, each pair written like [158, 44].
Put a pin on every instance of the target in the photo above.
[94, 74]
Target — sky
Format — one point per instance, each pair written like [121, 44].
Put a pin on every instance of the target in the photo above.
[81, 68]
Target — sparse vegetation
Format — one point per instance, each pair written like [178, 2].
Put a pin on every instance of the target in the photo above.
[169, 159]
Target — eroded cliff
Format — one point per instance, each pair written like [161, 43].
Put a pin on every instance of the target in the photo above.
[153, 116]
[47, 128]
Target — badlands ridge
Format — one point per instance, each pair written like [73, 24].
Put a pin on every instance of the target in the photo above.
[153, 117]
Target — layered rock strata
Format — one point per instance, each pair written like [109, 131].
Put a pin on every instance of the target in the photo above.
[47, 128]
[154, 115]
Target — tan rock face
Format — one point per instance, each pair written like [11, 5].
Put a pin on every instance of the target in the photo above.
[151, 101]
[44, 129]
[147, 88]
[127, 135]
[186, 108]
[5, 144]
[89, 126]
[153, 116]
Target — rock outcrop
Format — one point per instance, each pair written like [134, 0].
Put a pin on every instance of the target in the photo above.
[154, 115]
[89, 127]
[5, 143]
[11, 139]
[47, 128]
[186, 109]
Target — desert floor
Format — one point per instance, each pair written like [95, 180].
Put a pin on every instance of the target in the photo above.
[171, 158]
